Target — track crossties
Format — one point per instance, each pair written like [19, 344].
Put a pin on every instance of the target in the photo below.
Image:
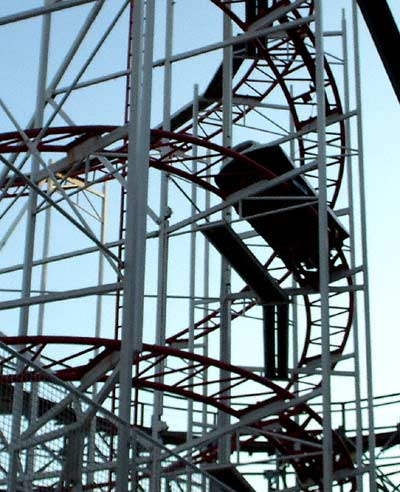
[286, 216]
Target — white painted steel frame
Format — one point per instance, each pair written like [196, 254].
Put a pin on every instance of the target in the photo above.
[225, 338]
[350, 179]
[136, 214]
[323, 247]
[30, 229]
[133, 283]
[364, 248]
[163, 243]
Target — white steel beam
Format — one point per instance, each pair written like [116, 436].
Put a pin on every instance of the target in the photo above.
[225, 335]
[107, 364]
[61, 257]
[60, 296]
[248, 36]
[364, 253]
[163, 244]
[136, 215]
[30, 233]
[352, 230]
[327, 475]
[54, 7]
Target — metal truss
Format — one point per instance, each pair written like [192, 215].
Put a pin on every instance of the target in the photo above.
[180, 313]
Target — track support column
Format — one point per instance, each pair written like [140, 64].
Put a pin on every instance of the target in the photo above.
[353, 263]
[367, 317]
[29, 244]
[323, 248]
[163, 242]
[224, 446]
[136, 215]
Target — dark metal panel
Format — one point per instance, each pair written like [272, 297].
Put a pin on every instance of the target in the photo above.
[230, 476]
[240, 257]
[269, 341]
[276, 333]
[283, 335]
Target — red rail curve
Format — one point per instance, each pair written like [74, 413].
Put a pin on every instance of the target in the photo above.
[249, 392]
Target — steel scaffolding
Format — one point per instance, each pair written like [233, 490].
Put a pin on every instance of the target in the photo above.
[184, 251]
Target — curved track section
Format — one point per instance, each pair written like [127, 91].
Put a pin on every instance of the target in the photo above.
[249, 395]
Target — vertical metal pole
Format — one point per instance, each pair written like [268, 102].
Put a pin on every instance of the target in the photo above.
[206, 294]
[295, 336]
[98, 324]
[323, 248]
[45, 266]
[356, 342]
[100, 276]
[295, 317]
[136, 215]
[225, 327]
[31, 218]
[192, 276]
[29, 244]
[30, 461]
[368, 341]
[163, 248]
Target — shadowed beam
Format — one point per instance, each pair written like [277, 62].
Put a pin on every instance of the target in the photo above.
[386, 36]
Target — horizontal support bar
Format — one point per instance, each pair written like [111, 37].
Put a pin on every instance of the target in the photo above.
[61, 296]
[28, 14]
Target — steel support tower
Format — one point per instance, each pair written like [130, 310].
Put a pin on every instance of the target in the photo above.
[184, 268]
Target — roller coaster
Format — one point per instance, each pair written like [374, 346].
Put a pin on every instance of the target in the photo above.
[185, 286]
